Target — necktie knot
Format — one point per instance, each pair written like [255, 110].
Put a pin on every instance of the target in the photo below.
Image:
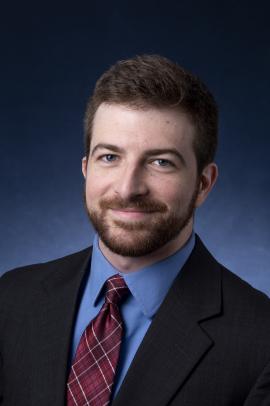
[116, 289]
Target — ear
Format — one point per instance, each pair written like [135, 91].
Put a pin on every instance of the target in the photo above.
[84, 166]
[208, 178]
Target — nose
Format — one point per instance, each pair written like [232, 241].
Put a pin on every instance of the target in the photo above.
[132, 182]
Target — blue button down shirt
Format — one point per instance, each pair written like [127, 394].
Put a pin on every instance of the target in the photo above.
[148, 287]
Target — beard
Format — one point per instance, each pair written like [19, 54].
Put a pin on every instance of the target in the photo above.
[139, 238]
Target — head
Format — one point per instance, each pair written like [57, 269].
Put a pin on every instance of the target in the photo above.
[154, 81]
[151, 135]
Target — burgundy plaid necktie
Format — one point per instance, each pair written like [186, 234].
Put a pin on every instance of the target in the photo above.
[92, 373]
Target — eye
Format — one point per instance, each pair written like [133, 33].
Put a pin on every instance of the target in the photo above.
[108, 158]
[163, 163]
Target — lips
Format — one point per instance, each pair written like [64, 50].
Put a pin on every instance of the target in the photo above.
[130, 214]
[132, 210]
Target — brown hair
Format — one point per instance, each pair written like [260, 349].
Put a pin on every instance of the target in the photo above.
[154, 81]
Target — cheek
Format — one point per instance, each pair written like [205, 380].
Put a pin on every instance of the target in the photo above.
[92, 191]
[96, 187]
[167, 190]
[174, 193]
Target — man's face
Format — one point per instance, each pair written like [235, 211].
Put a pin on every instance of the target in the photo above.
[141, 178]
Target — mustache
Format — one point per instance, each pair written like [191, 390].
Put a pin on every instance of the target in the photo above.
[146, 205]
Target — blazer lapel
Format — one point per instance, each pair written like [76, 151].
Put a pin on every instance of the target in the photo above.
[53, 326]
[175, 342]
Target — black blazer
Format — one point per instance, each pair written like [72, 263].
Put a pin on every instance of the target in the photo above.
[208, 345]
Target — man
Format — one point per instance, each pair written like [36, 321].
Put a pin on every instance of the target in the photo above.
[176, 327]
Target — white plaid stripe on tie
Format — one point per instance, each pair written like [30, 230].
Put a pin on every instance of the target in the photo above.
[92, 373]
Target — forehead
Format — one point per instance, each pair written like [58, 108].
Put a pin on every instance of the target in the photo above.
[131, 127]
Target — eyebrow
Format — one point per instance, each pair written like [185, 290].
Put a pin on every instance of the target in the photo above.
[107, 146]
[149, 152]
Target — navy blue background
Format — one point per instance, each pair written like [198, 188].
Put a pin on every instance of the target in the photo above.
[51, 57]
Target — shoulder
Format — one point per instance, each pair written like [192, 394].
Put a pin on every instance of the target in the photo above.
[240, 295]
[234, 283]
[243, 307]
[21, 280]
[235, 294]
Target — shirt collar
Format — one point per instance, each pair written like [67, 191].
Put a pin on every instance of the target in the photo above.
[148, 285]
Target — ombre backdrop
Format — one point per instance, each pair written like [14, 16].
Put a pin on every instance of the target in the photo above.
[50, 59]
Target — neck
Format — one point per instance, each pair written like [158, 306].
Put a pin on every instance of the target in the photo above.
[131, 264]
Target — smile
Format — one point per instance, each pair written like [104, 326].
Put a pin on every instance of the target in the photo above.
[130, 214]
